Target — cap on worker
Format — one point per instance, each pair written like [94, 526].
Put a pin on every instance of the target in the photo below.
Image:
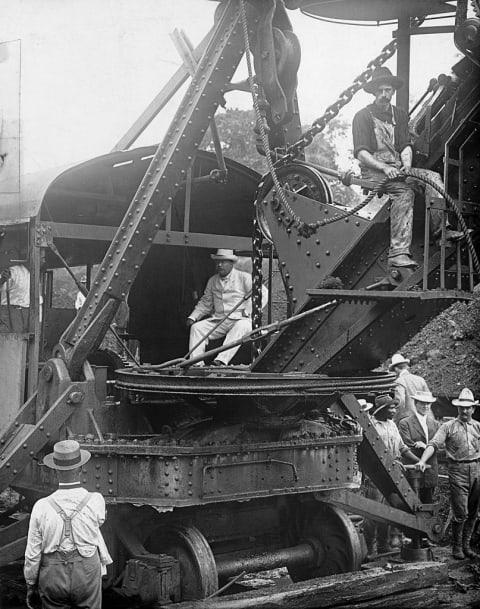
[397, 358]
[465, 399]
[424, 396]
[383, 401]
[223, 254]
[382, 76]
[66, 455]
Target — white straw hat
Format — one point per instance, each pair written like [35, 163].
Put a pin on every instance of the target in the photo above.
[424, 396]
[465, 399]
[397, 359]
[224, 254]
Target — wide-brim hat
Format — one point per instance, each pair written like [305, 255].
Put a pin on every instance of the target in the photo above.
[66, 455]
[424, 396]
[381, 402]
[382, 76]
[366, 406]
[224, 254]
[397, 358]
[465, 399]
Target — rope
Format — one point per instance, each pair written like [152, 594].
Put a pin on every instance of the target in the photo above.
[451, 202]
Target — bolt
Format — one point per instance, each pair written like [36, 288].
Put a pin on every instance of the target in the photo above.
[47, 372]
[75, 397]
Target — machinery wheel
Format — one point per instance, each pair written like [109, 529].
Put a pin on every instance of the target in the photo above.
[299, 178]
[333, 535]
[198, 572]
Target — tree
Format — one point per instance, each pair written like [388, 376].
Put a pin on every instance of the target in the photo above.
[238, 139]
[327, 148]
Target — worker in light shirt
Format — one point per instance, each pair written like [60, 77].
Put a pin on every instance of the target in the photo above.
[66, 555]
[226, 296]
[461, 438]
[382, 414]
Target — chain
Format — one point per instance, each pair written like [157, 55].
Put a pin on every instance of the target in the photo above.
[257, 283]
[343, 99]
[261, 125]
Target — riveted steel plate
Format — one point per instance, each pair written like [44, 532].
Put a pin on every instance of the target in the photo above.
[171, 476]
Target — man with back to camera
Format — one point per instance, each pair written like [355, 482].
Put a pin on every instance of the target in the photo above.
[228, 288]
[406, 385]
[382, 144]
[15, 294]
[66, 555]
[461, 437]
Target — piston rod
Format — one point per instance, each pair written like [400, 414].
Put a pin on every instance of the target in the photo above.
[294, 556]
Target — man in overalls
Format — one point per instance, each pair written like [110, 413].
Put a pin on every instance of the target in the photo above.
[382, 144]
[66, 555]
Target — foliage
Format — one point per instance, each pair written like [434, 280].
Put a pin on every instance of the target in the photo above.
[238, 139]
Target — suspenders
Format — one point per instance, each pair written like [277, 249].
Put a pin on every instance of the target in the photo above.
[67, 520]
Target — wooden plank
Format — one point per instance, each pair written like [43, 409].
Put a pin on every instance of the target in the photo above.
[165, 95]
[13, 551]
[13, 353]
[420, 599]
[334, 590]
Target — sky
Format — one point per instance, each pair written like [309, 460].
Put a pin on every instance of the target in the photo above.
[90, 67]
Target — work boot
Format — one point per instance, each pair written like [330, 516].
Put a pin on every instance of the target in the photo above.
[467, 538]
[453, 235]
[457, 551]
[402, 260]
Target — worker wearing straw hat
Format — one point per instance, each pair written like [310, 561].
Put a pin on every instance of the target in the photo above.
[224, 310]
[66, 555]
[406, 385]
[416, 430]
[461, 438]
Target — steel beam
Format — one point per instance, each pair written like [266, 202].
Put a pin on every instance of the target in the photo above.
[155, 193]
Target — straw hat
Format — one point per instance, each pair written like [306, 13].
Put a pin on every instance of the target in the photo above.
[424, 396]
[223, 254]
[66, 455]
[465, 399]
[397, 358]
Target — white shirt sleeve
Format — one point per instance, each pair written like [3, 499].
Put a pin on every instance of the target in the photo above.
[205, 304]
[33, 551]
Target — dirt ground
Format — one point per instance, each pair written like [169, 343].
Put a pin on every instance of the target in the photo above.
[447, 351]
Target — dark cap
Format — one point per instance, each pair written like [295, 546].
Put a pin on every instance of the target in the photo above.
[383, 401]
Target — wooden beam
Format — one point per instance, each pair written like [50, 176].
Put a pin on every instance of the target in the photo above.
[160, 101]
[345, 590]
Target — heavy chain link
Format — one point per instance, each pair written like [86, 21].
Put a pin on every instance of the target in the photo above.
[343, 99]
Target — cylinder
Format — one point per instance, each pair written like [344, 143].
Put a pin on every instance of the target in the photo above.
[297, 556]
